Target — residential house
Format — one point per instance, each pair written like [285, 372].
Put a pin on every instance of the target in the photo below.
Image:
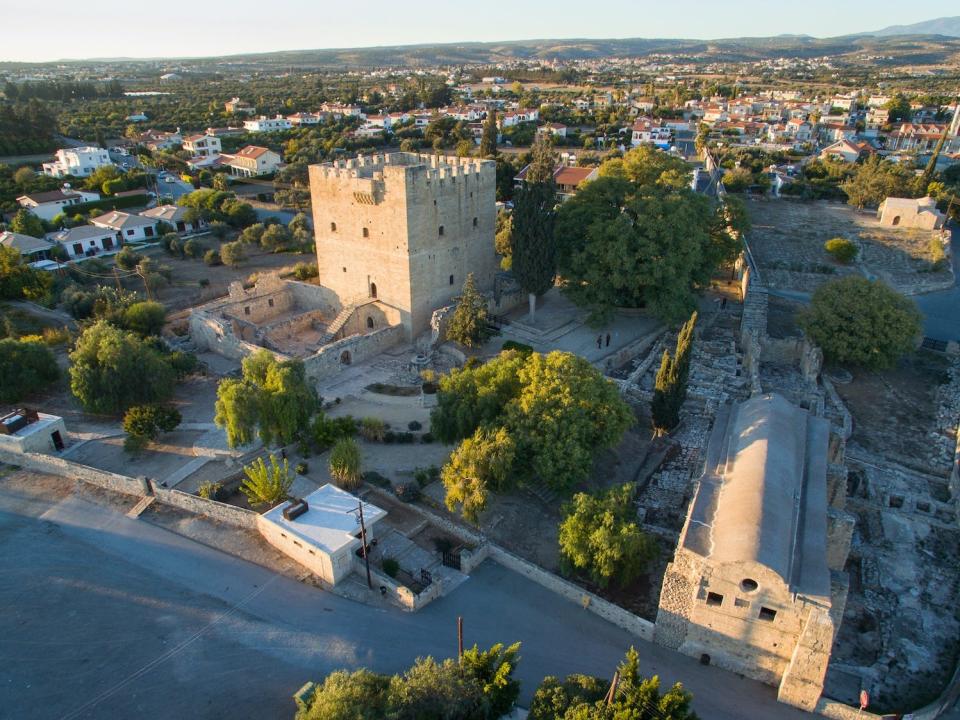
[301, 118]
[568, 179]
[202, 145]
[131, 228]
[175, 216]
[915, 137]
[583, 104]
[78, 162]
[558, 129]
[338, 111]
[31, 249]
[830, 131]
[265, 124]
[236, 106]
[47, 205]
[648, 130]
[251, 161]
[87, 240]
[800, 130]
[160, 140]
[846, 150]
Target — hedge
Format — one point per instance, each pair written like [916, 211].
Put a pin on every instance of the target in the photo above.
[110, 203]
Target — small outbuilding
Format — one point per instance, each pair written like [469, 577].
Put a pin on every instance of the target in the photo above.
[919, 213]
[25, 431]
[322, 531]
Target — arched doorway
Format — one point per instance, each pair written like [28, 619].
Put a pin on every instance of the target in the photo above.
[369, 323]
[345, 357]
[373, 290]
[896, 220]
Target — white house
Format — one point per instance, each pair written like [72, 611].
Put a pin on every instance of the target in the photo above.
[131, 228]
[31, 249]
[160, 139]
[202, 145]
[79, 162]
[304, 119]
[558, 129]
[252, 160]
[87, 240]
[646, 130]
[47, 205]
[911, 213]
[175, 216]
[265, 124]
[322, 531]
[846, 150]
[236, 106]
[26, 431]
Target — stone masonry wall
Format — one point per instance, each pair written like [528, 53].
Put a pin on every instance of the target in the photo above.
[331, 359]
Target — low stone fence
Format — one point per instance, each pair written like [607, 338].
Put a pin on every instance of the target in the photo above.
[138, 487]
[408, 599]
[470, 559]
[838, 711]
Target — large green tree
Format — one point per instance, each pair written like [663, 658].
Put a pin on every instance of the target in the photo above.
[862, 322]
[26, 223]
[468, 326]
[533, 246]
[273, 398]
[600, 537]
[670, 385]
[876, 180]
[488, 141]
[112, 370]
[625, 245]
[19, 280]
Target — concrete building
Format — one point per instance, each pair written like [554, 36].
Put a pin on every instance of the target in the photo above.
[87, 240]
[322, 531]
[47, 205]
[77, 162]
[174, 215]
[236, 106]
[129, 228]
[756, 585]
[202, 145]
[265, 124]
[251, 161]
[25, 431]
[404, 229]
[31, 249]
[911, 213]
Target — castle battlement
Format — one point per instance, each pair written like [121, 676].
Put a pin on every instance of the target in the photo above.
[409, 168]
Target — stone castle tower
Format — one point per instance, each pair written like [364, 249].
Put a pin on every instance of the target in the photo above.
[404, 228]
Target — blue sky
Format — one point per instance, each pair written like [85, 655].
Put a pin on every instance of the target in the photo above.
[55, 29]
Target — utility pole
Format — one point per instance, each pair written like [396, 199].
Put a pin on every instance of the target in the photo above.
[146, 285]
[612, 692]
[460, 638]
[363, 541]
[117, 278]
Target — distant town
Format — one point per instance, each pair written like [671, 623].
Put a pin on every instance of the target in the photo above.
[587, 379]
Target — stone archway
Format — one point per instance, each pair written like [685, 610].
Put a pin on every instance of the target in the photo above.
[896, 220]
[369, 323]
[345, 358]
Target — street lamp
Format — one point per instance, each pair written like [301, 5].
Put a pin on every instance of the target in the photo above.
[363, 539]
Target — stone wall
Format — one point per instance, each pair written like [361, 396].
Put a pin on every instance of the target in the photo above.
[839, 536]
[332, 358]
[802, 681]
[221, 512]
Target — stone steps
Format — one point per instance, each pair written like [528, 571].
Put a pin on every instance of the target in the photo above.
[145, 502]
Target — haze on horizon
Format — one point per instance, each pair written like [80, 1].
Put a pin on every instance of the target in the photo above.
[111, 28]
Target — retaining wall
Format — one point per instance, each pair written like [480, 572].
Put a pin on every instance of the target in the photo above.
[221, 512]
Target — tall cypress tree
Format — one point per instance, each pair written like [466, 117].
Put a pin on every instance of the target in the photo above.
[533, 252]
[488, 143]
[670, 387]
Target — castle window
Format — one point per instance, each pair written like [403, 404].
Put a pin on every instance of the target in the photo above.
[474, 222]
[366, 232]
[714, 599]
[767, 614]
[246, 310]
[370, 322]
[333, 227]
[748, 585]
[373, 290]
[451, 279]
[344, 269]
[441, 231]
[741, 603]
[270, 302]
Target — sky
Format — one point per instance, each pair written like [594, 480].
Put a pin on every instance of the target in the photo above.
[59, 29]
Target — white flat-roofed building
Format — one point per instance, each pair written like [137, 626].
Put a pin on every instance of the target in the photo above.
[265, 124]
[202, 145]
[25, 431]
[47, 205]
[78, 162]
[325, 537]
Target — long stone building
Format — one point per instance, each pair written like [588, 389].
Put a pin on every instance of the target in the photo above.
[756, 585]
[405, 229]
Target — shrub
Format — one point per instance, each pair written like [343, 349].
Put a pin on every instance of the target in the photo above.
[182, 363]
[375, 478]
[408, 492]
[25, 367]
[422, 477]
[203, 282]
[145, 318]
[405, 438]
[389, 437]
[232, 253]
[211, 257]
[127, 258]
[391, 567]
[192, 248]
[305, 271]
[841, 249]
[148, 421]
[426, 438]
[210, 490]
[265, 485]
[135, 444]
[326, 431]
[301, 468]
[372, 429]
[414, 425]
[938, 260]
[345, 464]
[518, 346]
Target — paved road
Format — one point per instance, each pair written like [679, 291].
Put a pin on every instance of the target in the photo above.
[941, 310]
[103, 617]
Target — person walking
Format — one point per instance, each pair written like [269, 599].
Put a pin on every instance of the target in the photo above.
[608, 339]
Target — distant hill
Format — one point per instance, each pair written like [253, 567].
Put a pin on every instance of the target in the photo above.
[948, 26]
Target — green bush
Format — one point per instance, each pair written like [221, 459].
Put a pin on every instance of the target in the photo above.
[375, 478]
[210, 490]
[391, 567]
[426, 438]
[211, 257]
[408, 492]
[414, 425]
[305, 271]
[372, 429]
[841, 249]
[938, 260]
[518, 346]
[25, 367]
[345, 464]
[301, 468]
[326, 431]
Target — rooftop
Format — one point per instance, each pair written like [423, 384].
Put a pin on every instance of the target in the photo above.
[331, 522]
[120, 220]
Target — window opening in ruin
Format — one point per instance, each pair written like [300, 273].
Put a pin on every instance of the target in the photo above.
[748, 585]
[344, 269]
[714, 599]
[333, 227]
[246, 310]
[369, 322]
[896, 220]
[741, 603]
[474, 222]
[345, 357]
[704, 659]
[441, 231]
[451, 279]
[896, 501]
[373, 290]
[270, 302]
[767, 614]
[366, 232]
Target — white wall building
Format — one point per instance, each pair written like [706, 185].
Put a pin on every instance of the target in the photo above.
[47, 205]
[79, 162]
[87, 240]
[265, 124]
[202, 145]
[325, 537]
[132, 228]
[24, 431]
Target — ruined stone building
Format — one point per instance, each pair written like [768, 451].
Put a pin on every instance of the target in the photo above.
[756, 585]
[396, 236]
[919, 213]
[404, 229]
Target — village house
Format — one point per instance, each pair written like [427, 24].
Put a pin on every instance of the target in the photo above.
[264, 124]
[648, 130]
[47, 205]
[202, 145]
[31, 249]
[160, 140]
[132, 228]
[175, 216]
[911, 213]
[846, 150]
[87, 240]
[301, 118]
[554, 128]
[568, 178]
[236, 106]
[77, 162]
[915, 137]
[251, 161]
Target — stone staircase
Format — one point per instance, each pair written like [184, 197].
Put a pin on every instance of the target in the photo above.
[336, 325]
[145, 502]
